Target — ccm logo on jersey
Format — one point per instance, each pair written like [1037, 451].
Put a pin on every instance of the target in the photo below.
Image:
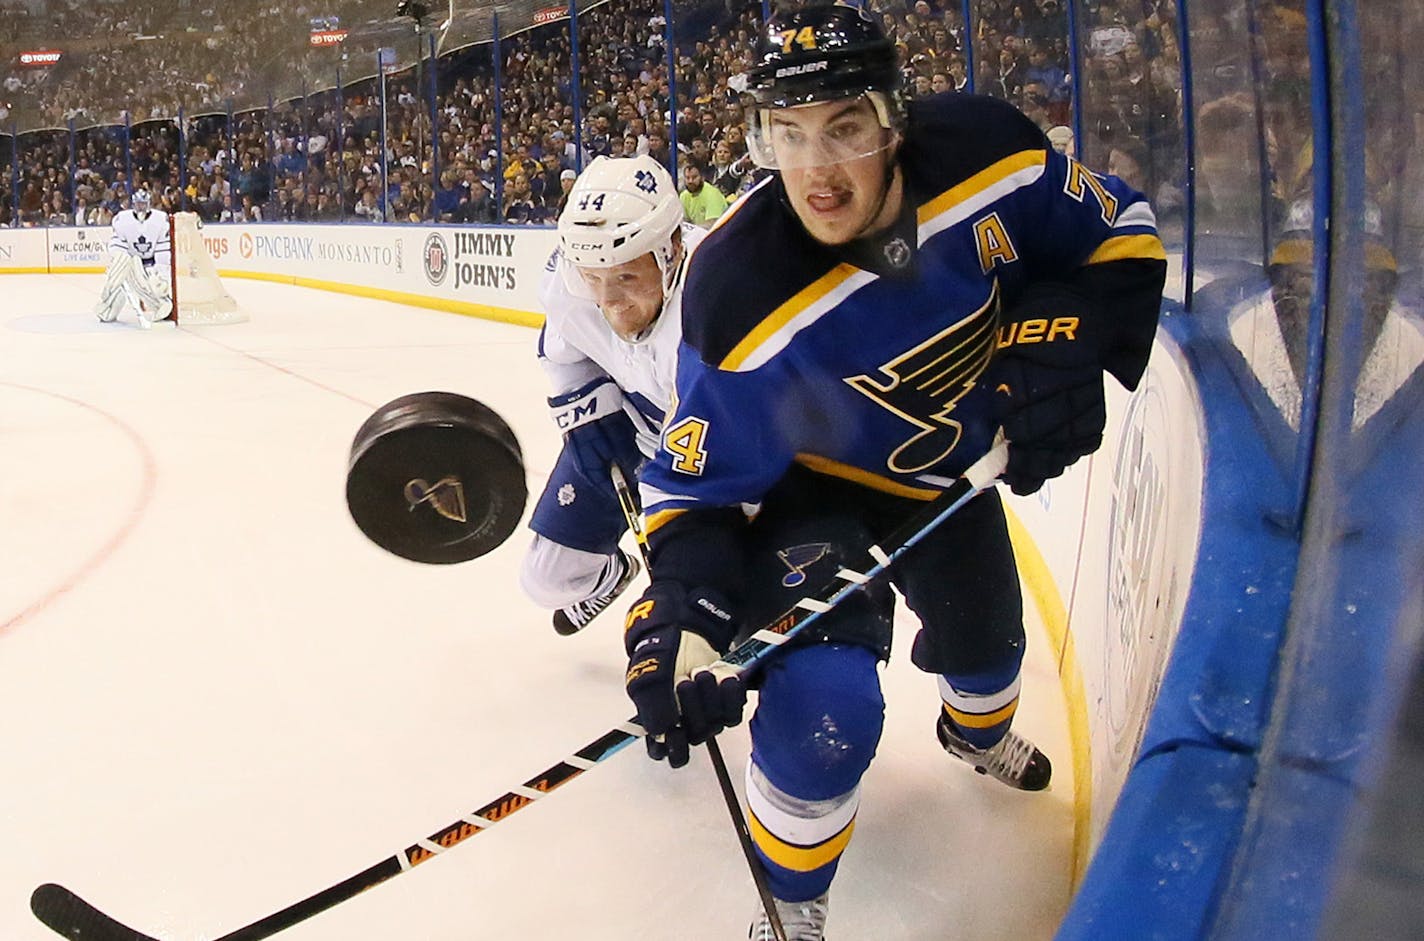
[577, 415]
[585, 404]
[1037, 330]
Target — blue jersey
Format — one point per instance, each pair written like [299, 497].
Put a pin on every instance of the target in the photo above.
[860, 362]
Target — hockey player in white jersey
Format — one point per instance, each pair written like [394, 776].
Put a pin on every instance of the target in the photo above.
[138, 276]
[611, 293]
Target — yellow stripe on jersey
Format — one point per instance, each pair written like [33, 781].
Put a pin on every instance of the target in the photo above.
[972, 720]
[824, 465]
[1128, 246]
[981, 181]
[799, 858]
[787, 312]
[660, 518]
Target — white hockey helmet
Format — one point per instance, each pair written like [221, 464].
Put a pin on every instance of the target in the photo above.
[142, 203]
[620, 209]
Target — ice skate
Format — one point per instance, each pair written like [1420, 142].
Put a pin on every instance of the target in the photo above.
[1014, 760]
[575, 617]
[803, 921]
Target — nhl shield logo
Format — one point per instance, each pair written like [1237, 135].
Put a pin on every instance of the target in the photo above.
[437, 258]
[897, 252]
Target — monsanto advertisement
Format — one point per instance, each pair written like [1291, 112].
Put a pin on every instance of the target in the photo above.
[469, 266]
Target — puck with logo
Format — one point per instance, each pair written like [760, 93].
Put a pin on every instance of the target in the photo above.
[436, 477]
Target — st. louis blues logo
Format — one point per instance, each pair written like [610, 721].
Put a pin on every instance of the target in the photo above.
[923, 384]
[800, 558]
[645, 181]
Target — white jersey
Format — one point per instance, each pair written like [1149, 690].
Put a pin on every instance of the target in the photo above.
[145, 239]
[577, 346]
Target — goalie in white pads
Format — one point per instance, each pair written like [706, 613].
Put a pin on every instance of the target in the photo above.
[611, 293]
[139, 272]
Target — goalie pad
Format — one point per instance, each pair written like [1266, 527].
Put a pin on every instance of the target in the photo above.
[128, 285]
[436, 477]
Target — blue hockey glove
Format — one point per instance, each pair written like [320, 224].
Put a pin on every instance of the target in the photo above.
[1047, 384]
[596, 429]
[673, 637]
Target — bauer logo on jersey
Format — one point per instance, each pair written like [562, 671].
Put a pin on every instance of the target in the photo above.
[437, 258]
[923, 385]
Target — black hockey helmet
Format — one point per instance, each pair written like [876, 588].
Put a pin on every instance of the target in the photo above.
[818, 53]
[821, 53]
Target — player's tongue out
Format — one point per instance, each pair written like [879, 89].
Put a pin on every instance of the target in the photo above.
[828, 200]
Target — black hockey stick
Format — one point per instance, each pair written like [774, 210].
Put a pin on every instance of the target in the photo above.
[69, 915]
[629, 504]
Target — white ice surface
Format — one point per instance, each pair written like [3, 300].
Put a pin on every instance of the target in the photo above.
[216, 698]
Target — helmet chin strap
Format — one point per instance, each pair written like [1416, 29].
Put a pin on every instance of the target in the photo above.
[887, 185]
[669, 270]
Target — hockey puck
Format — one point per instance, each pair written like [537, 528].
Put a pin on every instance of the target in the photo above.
[436, 477]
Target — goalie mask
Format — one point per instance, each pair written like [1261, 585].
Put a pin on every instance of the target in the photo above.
[619, 211]
[142, 204]
[819, 54]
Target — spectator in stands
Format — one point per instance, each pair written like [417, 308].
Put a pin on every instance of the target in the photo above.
[725, 171]
[1008, 80]
[476, 205]
[519, 205]
[447, 197]
[292, 161]
[57, 213]
[566, 183]
[368, 208]
[31, 203]
[658, 147]
[701, 204]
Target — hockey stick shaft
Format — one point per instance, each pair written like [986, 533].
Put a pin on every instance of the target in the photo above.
[629, 503]
[69, 915]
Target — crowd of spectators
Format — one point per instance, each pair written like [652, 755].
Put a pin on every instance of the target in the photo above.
[320, 157]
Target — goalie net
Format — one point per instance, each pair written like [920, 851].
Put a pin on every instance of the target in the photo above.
[198, 294]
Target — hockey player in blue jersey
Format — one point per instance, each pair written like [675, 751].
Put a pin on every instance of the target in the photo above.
[912, 278]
